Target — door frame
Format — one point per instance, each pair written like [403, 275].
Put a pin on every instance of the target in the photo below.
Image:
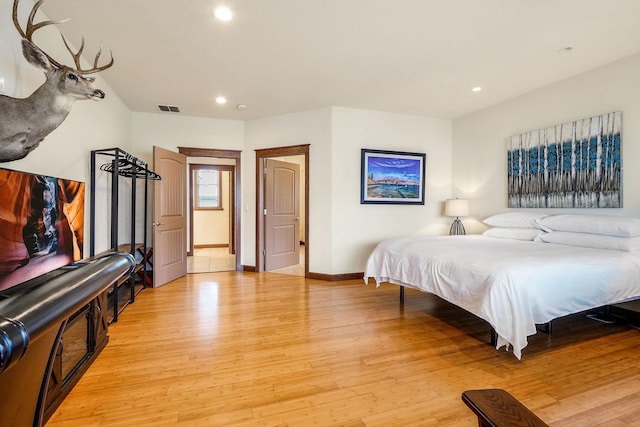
[231, 225]
[261, 155]
[225, 154]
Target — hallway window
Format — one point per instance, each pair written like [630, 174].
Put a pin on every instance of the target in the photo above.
[207, 189]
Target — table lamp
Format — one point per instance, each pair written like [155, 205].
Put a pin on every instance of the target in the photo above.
[456, 208]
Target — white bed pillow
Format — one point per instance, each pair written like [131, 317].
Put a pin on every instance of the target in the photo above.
[513, 233]
[587, 240]
[515, 220]
[609, 225]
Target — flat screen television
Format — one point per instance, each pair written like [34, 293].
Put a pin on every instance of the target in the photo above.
[41, 225]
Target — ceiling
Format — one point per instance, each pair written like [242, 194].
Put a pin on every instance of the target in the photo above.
[417, 57]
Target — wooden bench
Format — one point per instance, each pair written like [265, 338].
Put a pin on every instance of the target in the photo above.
[497, 408]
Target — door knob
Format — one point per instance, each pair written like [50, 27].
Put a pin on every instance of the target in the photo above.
[156, 224]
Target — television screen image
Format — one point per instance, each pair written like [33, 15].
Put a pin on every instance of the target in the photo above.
[41, 225]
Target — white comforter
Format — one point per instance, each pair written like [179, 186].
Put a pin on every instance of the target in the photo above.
[511, 284]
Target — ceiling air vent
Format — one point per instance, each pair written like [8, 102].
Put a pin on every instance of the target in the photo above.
[168, 108]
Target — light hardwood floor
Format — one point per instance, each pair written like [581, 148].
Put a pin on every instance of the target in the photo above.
[246, 349]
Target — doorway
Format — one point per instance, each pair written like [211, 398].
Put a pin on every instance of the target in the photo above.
[211, 191]
[234, 262]
[282, 153]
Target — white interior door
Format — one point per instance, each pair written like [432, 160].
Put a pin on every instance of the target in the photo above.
[282, 214]
[169, 217]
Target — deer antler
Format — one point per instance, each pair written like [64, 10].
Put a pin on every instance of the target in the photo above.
[32, 28]
[78, 54]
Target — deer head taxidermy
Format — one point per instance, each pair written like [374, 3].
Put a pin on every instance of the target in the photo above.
[24, 122]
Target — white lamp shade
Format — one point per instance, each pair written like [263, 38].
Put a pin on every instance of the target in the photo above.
[456, 207]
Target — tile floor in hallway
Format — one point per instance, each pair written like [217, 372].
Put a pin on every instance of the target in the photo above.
[209, 260]
[206, 260]
[294, 270]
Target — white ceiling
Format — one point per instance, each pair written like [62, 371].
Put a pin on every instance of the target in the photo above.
[408, 56]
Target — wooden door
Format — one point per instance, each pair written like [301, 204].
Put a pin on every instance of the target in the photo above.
[282, 214]
[169, 217]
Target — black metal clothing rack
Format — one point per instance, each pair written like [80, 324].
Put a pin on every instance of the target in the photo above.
[122, 164]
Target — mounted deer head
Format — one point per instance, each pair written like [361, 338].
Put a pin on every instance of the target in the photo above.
[24, 122]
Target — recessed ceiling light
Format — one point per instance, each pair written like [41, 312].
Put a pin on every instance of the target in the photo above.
[221, 100]
[241, 107]
[476, 89]
[223, 13]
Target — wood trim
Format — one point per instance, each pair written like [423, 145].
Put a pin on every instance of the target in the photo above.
[225, 154]
[293, 150]
[249, 268]
[209, 152]
[260, 165]
[220, 168]
[211, 245]
[192, 207]
[335, 277]
[194, 190]
[261, 155]
[208, 209]
[228, 168]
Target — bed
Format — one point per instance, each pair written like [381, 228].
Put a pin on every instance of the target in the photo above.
[516, 283]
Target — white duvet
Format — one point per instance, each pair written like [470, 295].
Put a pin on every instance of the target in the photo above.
[511, 284]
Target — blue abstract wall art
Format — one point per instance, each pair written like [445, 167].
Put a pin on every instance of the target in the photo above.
[572, 165]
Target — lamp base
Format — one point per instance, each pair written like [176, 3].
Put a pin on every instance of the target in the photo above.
[457, 229]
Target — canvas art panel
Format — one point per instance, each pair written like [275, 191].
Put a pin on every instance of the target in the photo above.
[571, 165]
[41, 225]
[392, 177]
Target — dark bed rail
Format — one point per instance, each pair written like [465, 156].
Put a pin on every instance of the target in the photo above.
[546, 327]
[30, 323]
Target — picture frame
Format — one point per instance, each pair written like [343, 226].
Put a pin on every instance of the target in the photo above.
[392, 177]
[576, 164]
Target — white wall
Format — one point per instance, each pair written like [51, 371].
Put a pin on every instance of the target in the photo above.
[170, 131]
[91, 125]
[480, 139]
[357, 228]
[342, 231]
[307, 127]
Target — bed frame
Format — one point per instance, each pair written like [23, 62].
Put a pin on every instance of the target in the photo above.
[516, 282]
[546, 327]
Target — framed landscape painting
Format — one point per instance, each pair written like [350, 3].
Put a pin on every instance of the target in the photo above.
[392, 177]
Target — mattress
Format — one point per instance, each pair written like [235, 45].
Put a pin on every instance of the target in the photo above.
[511, 284]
